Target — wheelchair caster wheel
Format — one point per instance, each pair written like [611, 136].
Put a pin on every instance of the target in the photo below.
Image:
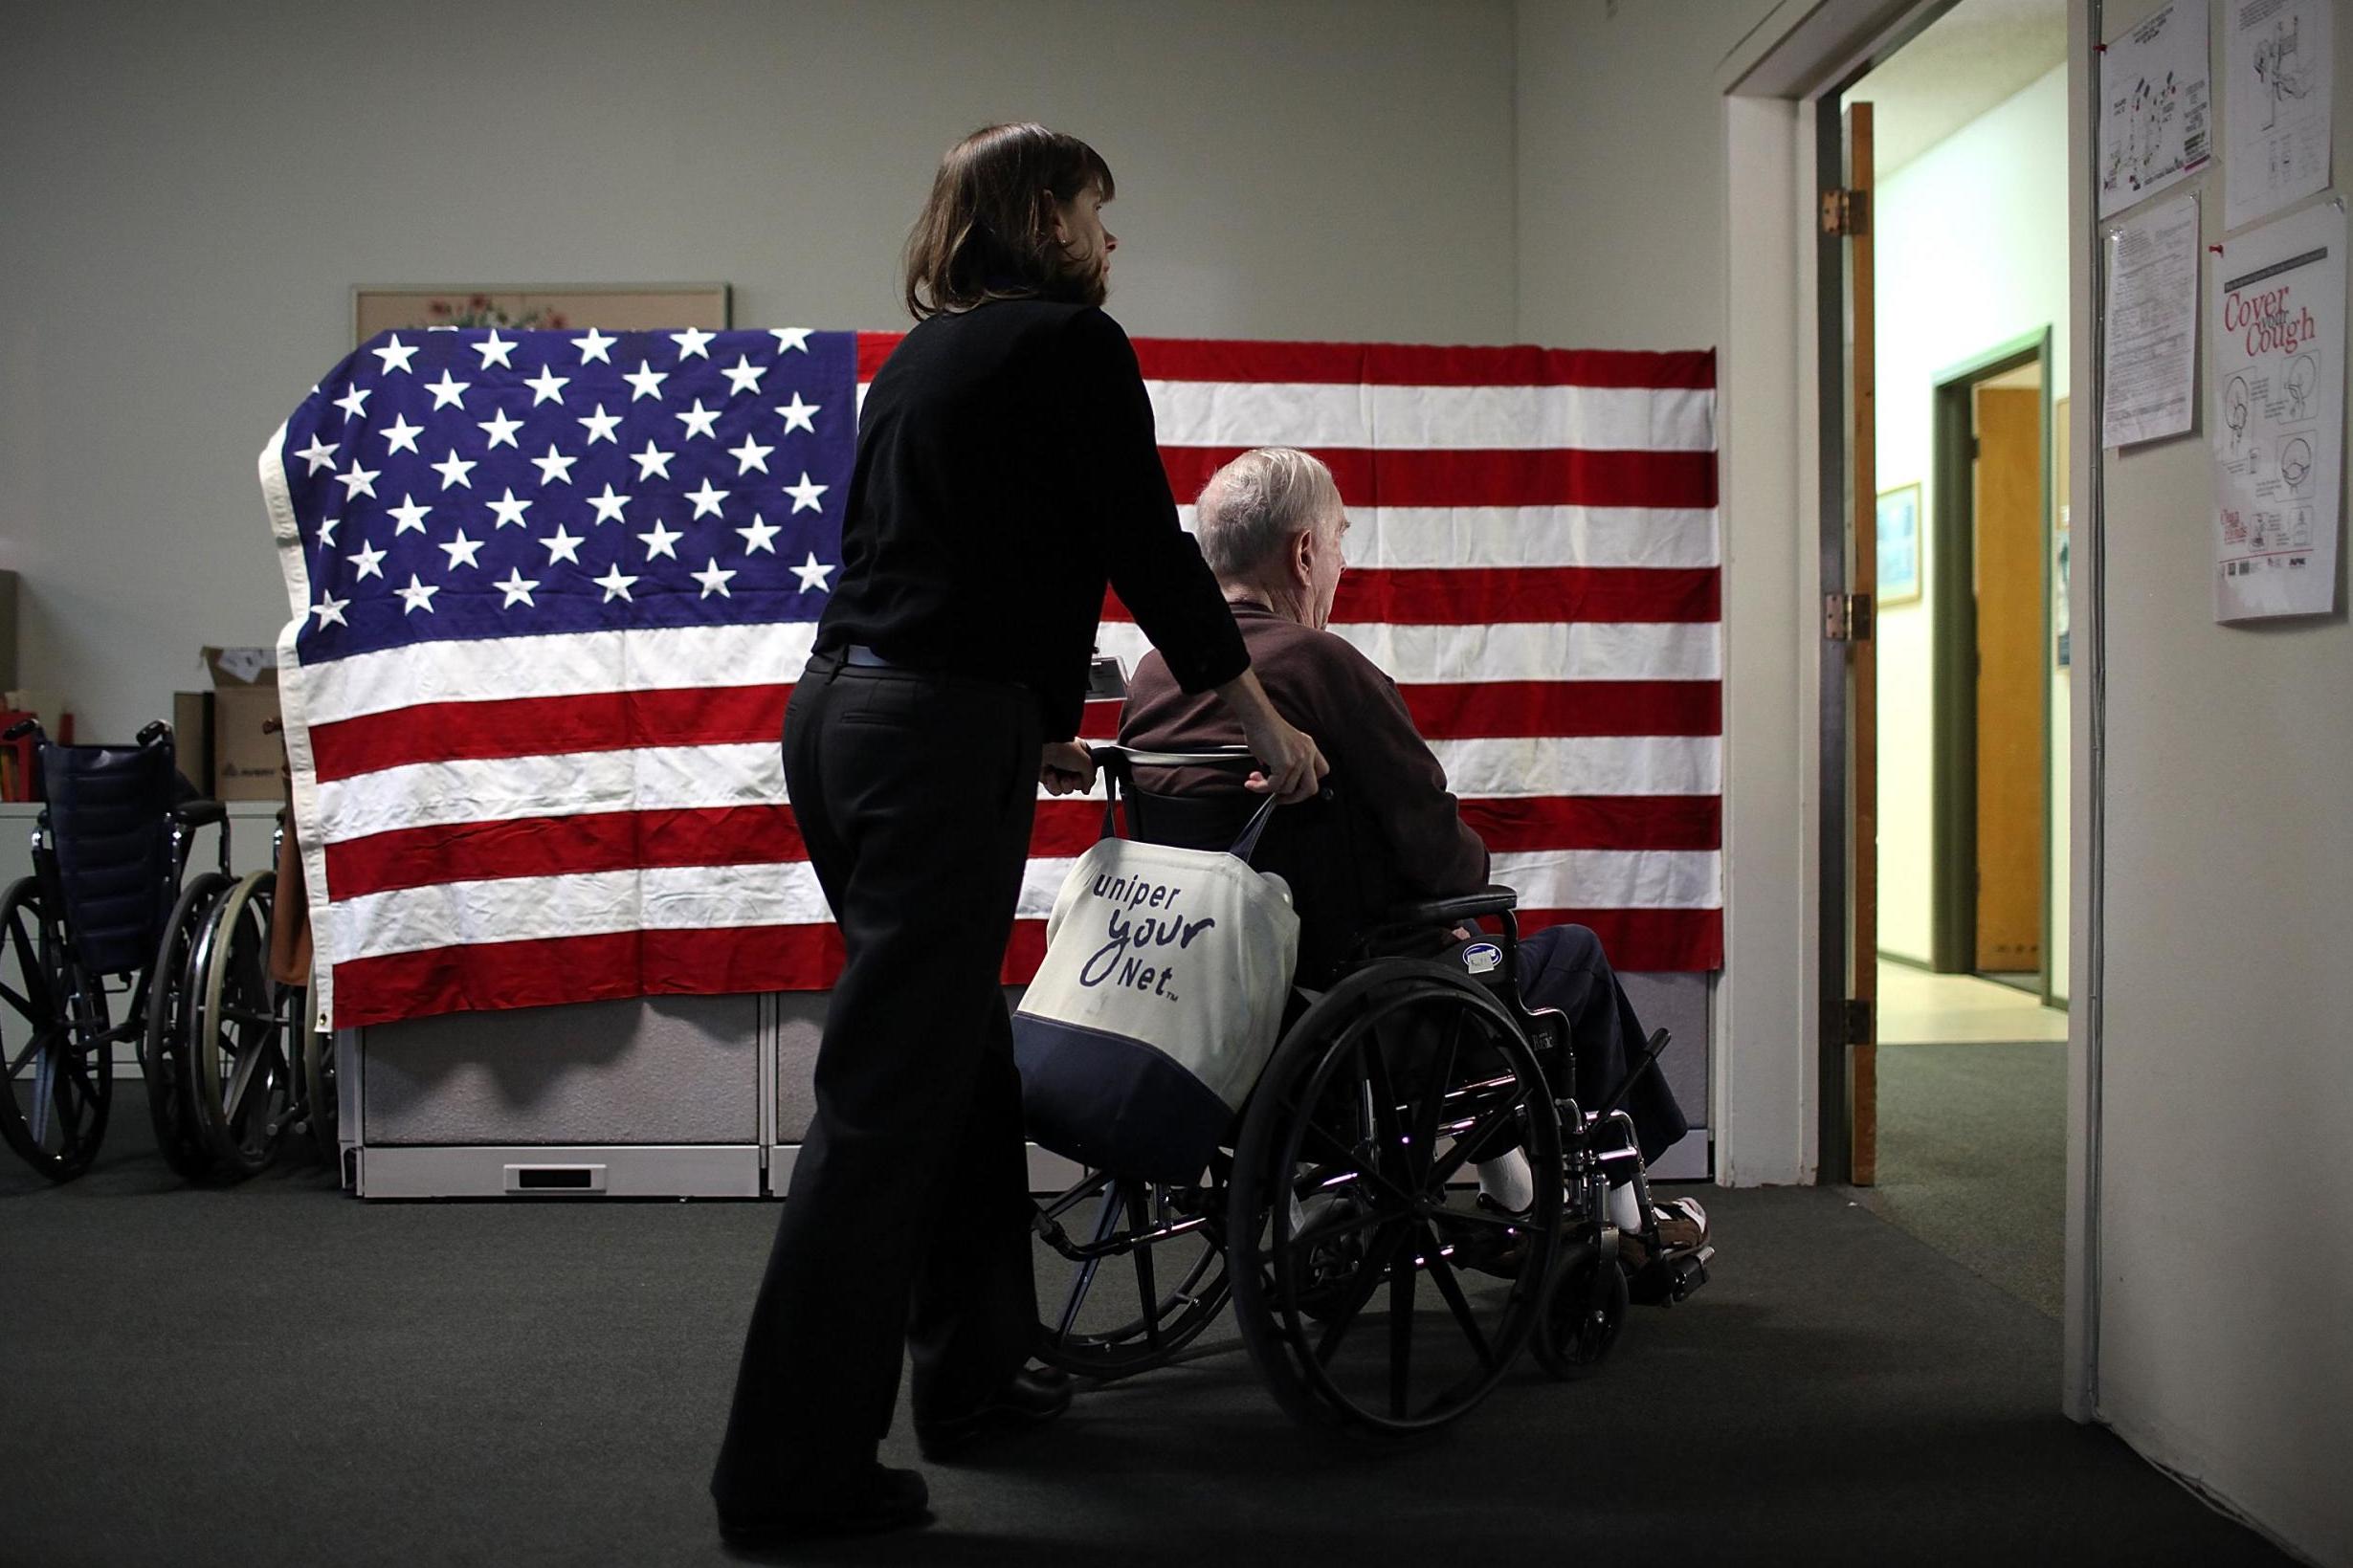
[1581, 1319]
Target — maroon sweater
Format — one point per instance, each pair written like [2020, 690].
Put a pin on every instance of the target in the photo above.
[1392, 830]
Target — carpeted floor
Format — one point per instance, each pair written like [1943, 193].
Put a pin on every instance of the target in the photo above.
[280, 1375]
[1973, 1159]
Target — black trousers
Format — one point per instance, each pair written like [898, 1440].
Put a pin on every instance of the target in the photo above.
[1564, 966]
[906, 1225]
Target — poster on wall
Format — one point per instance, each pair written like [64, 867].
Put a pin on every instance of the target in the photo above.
[2278, 416]
[2152, 336]
[2275, 74]
[2156, 124]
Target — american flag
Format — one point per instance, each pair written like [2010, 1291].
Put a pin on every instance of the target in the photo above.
[552, 589]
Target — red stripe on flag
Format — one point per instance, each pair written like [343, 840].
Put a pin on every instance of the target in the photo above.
[603, 841]
[1389, 365]
[873, 347]
[1474, 709]
[452, 732]
[1644, 941]
[483, 976]
[1534, 477]
[1492, 595]
[1597, 822]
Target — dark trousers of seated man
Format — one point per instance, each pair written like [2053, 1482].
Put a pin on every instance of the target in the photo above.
[1564, 966]
[906, 1223]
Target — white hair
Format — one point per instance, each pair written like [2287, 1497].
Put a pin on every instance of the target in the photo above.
[1252, 505]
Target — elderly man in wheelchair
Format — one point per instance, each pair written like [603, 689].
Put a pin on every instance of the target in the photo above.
[1420, 1052]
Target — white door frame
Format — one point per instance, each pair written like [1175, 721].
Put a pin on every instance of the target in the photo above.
[1769, 1092]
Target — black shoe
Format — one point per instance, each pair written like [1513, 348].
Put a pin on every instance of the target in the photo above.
[1031, 1397]
[879, 1499]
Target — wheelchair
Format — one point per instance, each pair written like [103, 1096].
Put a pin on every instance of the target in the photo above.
[1373, 1290]
[109, 849]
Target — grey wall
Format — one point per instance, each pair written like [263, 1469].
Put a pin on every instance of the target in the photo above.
[190, 191]
[2225, 1341]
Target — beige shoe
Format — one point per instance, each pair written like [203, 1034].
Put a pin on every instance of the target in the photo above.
[1682, 1227]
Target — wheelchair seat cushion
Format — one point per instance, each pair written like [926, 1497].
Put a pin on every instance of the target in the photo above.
[109, 816]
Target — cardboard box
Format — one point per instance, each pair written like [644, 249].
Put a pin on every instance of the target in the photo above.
[191, 737]
[247, 759]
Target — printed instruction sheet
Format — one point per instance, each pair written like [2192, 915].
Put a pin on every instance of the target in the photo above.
[2278, 415]
[2156, 120]
[2152, 337]
[2276, 69]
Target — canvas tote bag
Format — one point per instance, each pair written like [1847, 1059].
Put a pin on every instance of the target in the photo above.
[1157, 1005]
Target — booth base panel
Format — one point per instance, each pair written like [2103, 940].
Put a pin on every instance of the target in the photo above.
[684, 1170]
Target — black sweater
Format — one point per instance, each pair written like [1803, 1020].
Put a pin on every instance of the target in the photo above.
[1006, 467]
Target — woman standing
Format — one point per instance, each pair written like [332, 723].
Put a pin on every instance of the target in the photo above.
[1006, 469]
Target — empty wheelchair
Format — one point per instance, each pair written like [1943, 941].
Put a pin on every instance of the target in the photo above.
[1373, 1289]
[80, 936]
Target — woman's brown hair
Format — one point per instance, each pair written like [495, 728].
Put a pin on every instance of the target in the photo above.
[987, 233]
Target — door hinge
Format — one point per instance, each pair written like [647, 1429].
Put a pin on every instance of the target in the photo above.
[1846, 212]
[1860, 1025]
[1846, 617]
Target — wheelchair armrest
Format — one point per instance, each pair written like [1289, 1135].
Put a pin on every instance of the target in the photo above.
[1493, 900]
[199, 813]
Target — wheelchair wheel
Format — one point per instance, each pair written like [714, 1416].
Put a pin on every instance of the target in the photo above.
[1340, 1210]
[172, 991]
[53, 1026]
[1149, 1277]
[237, 1033]
[1584, 1312]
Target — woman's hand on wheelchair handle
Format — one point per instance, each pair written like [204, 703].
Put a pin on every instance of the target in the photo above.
[1066, 768]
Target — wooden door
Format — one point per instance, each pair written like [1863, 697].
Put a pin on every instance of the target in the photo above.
[2010, 678]
[1862, 655]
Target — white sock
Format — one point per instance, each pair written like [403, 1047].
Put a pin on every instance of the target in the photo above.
[1507, 1180]
[1625, 1209]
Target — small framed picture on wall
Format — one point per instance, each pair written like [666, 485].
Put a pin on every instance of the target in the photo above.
[1899, 545]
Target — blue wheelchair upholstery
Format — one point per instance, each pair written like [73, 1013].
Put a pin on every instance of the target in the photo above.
[110, 817]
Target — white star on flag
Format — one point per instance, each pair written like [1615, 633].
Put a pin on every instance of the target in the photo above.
[448, 393]
[804, 493]
[715, 581]
[547, 386]
[407, 517]
[419, 596]
[500, 429]
[507, 509]
[318, 454]
[495, 350]
[562, 546]
[758, 536]
[698, 419]
[600, 426]
[394, 356]
[813, 576]
[463, 551]
[752, 454]
[369, 561]
[326, 529]
[596, 346]
[645, 381]
[454, 470]
[518, 588]
[799, 416]
[330, 611]
[609, 505]
[652, 461]
[555, 467]
[615, 584]
[694, 342]
[789, 338]
[661, 540]
[358, 481]
[706, 499]
[403, 435]
[354, 402]
[744, 377]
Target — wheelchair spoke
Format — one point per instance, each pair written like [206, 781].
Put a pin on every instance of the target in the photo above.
[1361, 1290]
[1335, 1150]
[1146, 1295]
[1425, 1129]
[1442, 1275]
[1105, 1224]
[249, 1066]
[1486, 1127]
[1401, 1329]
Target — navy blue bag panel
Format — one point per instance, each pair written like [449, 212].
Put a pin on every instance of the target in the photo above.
[109, 815]
[1115, 1104]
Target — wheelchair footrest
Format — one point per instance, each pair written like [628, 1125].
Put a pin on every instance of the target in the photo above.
[1670, 1279]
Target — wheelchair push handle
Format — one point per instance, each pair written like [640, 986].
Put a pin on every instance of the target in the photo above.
[23, 727]
[1240, 759]
[156, 730]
